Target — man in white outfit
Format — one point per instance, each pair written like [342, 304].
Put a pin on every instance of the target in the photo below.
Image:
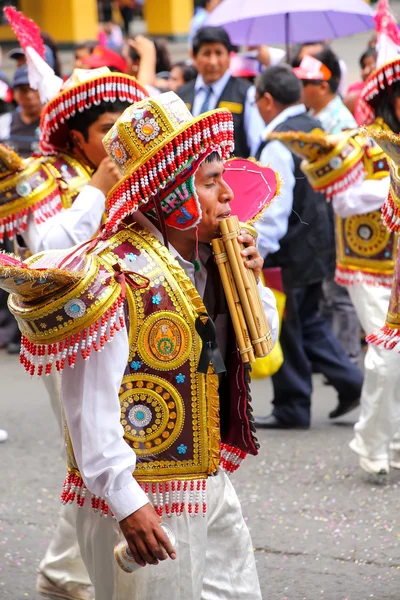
[167, 401]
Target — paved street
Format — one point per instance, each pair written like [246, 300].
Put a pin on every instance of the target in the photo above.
[321, 529]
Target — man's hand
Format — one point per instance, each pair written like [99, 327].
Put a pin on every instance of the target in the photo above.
[146, 538]
[250, 253]
[106, 176]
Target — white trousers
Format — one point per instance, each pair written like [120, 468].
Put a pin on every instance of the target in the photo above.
[62, 563]
[215, 558]
[380, 399]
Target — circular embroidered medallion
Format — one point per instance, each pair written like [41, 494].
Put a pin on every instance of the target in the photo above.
[152, 413]
[366, 235]
[75, 308]
[165, 341]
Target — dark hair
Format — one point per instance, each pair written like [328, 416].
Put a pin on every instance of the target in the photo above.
[330, 60]
[385, 108]
[49, 41]
[188, 71]
[296, 60]
[213, 157]
[283, 85]
[163, 57]
[88, 45]
[369, 52]
[211, 35]
[81, 121]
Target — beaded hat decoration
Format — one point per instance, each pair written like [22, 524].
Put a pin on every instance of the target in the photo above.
[331, 163]
[84, 89]
[377, 85]
[157, 145]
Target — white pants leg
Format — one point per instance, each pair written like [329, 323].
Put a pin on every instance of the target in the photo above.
[380, 400]
[62, 563]
[215, 558]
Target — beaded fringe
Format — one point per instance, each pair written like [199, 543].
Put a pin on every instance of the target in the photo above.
[168, 497]
[16, 223]
[386, 337]
[391, 214]
[40, 359]
[345, 276]
[354, 175]
[231, 458]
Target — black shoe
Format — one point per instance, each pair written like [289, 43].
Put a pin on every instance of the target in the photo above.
[271, 422]
[344, 407]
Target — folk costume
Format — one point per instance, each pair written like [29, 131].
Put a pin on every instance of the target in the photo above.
[155, 401]
[48, 200]
[41, 188]
[353, 171]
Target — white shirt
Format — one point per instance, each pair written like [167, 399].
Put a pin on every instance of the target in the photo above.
[273, 225]
[69, 227]
[92, 408]
[360, 198]
[253, 123]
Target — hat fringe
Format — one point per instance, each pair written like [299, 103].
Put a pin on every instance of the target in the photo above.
[167, 163]
[391, 213]
[79, 98]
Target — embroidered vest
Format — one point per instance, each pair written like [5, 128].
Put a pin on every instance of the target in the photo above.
[365, 249]
[44, 187]
[169, 411]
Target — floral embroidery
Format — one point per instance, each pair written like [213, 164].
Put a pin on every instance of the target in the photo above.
[131, 257]
[180, 378]
[136, 364]
[182, 449]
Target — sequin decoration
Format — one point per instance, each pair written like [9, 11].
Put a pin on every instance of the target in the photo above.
[23, 189]
[118, 152]
[152, 413]
[165, 340]
[75, 308]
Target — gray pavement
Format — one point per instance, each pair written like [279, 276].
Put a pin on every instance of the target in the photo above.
[322, 530]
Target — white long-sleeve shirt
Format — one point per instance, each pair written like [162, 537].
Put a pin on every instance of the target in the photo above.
[69, 227]
[365, 196]
[92, 408]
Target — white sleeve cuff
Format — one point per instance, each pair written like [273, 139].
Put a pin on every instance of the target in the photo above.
[127, 500]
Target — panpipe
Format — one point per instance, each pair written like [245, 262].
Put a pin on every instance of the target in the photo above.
[243, 298]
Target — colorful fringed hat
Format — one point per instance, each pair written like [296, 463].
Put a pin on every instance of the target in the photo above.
[83, 90]
[378, 84]
[157, 145]
[331, 162]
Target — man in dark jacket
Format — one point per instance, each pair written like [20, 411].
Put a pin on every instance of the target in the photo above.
[216, 88]
[297, 235]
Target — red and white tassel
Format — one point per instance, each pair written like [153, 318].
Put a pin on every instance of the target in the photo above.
[40, 359]
[354, 175]
[348, 277]
[391, 214]
[387, 338]
[231, 458]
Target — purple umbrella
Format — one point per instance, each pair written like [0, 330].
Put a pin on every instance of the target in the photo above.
[254, 22]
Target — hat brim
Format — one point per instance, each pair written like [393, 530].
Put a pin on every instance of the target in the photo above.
[377, 84]
[55, 115]
[161, 165]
